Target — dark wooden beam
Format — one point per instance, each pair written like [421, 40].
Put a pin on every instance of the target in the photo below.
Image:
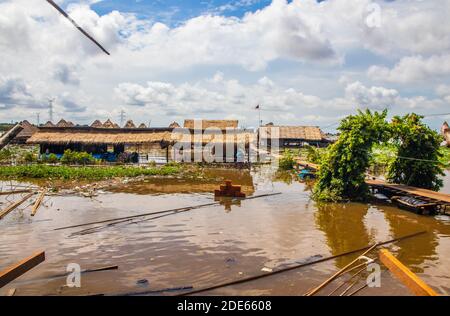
[15, 271]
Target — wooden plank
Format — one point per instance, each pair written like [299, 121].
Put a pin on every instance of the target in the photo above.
[20, 268]
[11, 292]
[437, 196]
[308, 164]
[38, 202]
[13, 206]
[14, 192]
[406, 276]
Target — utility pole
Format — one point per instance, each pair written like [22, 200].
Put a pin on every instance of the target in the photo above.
[50, 109]
[122, 117]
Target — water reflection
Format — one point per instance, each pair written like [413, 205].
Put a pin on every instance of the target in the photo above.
[207, 184]
[343, 226]
[209, 246]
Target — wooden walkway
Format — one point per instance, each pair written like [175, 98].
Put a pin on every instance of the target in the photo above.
[397, 189]
[422, 194]
[305, 164]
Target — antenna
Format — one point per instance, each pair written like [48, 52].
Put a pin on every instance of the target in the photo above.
[122, 117]
[50, 109]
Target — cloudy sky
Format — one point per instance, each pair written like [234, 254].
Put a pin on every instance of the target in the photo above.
[305, 61]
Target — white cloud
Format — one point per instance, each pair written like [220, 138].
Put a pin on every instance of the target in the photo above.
[374, 98]
[411, 69]
[45, 56]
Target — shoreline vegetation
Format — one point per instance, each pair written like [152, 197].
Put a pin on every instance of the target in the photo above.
[41, 171]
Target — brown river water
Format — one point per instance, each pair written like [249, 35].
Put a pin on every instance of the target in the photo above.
[215, 244]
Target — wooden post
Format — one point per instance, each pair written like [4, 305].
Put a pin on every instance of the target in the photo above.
[20, 268]
[38, 202]
[406, 276]
[13, 206]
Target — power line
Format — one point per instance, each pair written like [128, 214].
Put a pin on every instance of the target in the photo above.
[53, 4]
[50, 109]
[122, 117]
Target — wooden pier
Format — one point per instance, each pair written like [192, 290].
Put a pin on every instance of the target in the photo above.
[305, 164]
[441, 200]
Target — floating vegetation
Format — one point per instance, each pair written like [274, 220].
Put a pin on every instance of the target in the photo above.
[88, 173]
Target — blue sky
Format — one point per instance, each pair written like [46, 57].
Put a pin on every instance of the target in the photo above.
[176, 11]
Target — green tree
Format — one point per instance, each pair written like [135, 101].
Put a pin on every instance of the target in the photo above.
[342, 172]
[418, 153]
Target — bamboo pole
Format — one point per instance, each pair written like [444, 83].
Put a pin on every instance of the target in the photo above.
[334, 276]
[14, 192]
[38, 202]
[351, 278]
[260, 276]
[13, 206]
[160, 212]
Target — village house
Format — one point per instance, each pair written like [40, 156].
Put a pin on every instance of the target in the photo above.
[291, 136]
[111, 143]
[27, 131]
[105, 141]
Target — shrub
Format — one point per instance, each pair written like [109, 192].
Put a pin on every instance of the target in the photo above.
[287, 161]
[418, 147]
[342, 172]
[77, 158]
[29, 157]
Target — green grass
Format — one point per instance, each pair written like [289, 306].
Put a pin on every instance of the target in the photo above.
[85, 173]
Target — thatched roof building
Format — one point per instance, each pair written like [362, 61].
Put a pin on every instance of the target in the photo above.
[89, 135]
[293, 136]
[49, 124]
[27, 131]
[129, 124]
[174, 125]
[220, 124]
[142, 125]
[109, 124]
[64, 123]
[62, 136]
[97, 124]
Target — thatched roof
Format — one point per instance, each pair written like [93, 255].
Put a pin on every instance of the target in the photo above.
[307, 133]
[109, 124]
[174, 125]
[61, 136]
[64, 123]
[49, 124]
[97, 124]
[129, 124]
[28, 130]
[220, 124]
[96, 137]
[142, 125]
